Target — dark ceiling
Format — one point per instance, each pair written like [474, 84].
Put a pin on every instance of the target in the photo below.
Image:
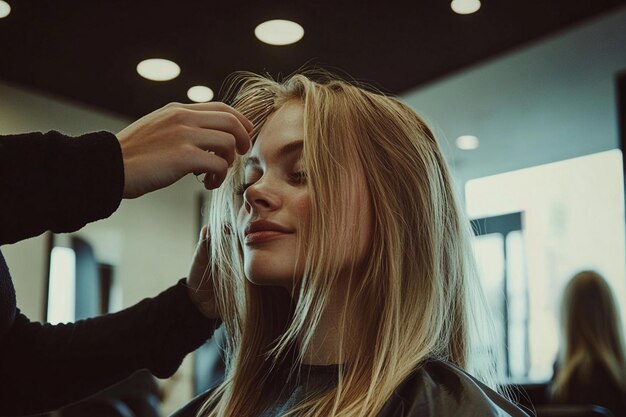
[88, 50]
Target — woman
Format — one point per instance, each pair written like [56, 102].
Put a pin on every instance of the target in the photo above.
[591, 365]
[344, 280]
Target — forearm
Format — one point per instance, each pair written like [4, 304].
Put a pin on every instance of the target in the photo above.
[54, 182]
[61, 364]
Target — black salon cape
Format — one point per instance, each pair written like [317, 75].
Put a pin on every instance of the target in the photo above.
[435, 389]
[54, 182]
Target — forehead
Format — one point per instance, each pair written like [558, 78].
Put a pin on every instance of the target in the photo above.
[284, 126]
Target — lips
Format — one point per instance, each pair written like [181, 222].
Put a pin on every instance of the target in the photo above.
[263, 230]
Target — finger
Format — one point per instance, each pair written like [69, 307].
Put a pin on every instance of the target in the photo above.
[219, 106]
[204, 233]
[221, 143]
[213, 181]
[203, 239]
[217, 141]
[215, 167]
[203, 247]
[225, 122]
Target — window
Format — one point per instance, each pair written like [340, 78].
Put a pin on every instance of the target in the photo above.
[62, 286]
[499, 250]
[573, 219]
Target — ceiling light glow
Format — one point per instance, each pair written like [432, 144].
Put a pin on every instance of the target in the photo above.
[467, 142]
[158, 69]
[465, 6]
[200, 94]
[5, 9]
[279, 32]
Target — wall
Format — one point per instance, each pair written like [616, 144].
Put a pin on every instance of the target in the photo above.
[545, 102]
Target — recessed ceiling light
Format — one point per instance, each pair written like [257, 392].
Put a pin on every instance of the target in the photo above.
[158, 69]
[465, 6]
[5, 9]
[467, 142]
[279, 32]
[200, 94]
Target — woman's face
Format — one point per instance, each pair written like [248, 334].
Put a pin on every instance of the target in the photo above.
[276, 191]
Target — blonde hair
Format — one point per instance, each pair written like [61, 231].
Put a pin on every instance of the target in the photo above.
[417, 294]
[591, 334]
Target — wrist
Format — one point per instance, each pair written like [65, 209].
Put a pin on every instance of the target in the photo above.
[208, 307]
[128, 192]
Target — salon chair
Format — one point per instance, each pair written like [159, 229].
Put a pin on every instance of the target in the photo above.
[573, 411]
[98, 407]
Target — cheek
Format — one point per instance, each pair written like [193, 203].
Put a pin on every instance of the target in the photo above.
[302, 208]
[300, 211]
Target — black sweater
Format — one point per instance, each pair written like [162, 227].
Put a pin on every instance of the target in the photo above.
[53, 182]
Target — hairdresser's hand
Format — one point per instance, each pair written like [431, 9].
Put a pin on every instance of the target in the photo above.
[178, 139]
[199, 281]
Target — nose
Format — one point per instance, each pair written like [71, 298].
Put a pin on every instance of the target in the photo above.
[260, 197]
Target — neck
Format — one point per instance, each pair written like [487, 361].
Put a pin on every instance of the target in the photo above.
[323, 348]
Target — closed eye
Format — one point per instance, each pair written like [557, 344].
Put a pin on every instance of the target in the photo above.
[241, 188]
[299, 177]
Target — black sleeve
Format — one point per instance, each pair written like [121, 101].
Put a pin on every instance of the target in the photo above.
[55, 182]
[47, 366]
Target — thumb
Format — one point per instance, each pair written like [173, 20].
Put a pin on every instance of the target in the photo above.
[204, 233]
[202, 248]
[199, 281]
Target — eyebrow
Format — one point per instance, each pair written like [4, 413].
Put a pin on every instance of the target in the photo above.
[283, 152]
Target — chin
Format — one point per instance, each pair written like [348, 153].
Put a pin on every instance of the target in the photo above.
[270, 282]
[271, 277]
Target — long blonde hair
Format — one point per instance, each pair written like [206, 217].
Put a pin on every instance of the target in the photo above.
[591, 334]
[416, 295]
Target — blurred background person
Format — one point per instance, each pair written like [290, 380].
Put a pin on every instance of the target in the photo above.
[591, 365]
